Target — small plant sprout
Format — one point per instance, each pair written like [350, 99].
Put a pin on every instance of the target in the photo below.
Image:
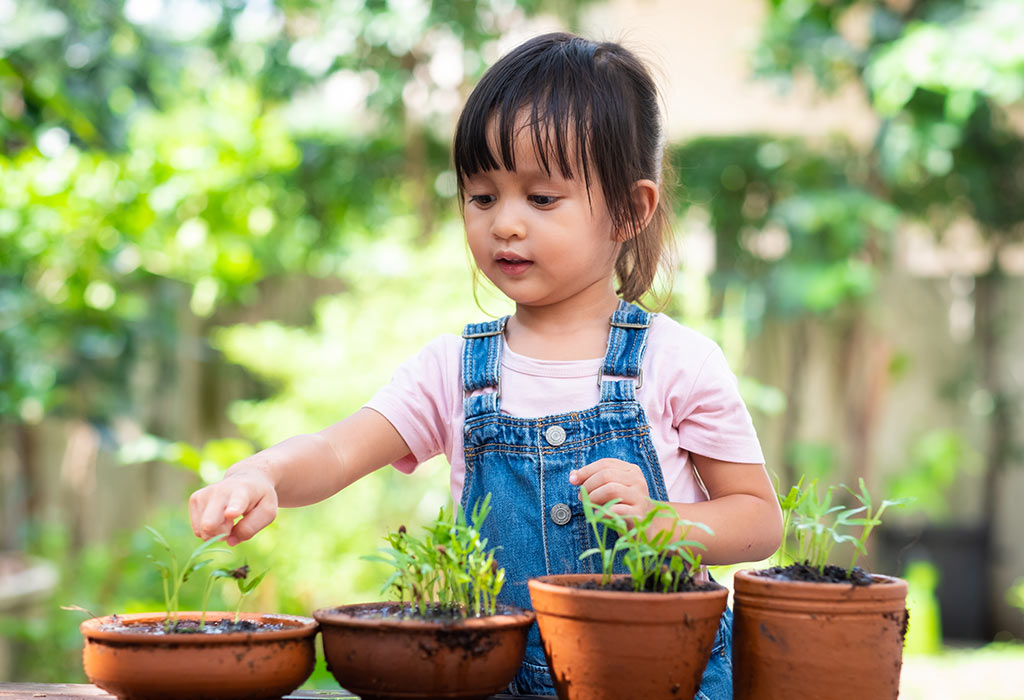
[871, 517]
[815, 534]
[449, 567]
[662, 562]
[789, 504]
[240, 575]
[817, 525]
[175, 576]
[604, 521]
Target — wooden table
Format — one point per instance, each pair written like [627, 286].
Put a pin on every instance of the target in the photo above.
[76, 691]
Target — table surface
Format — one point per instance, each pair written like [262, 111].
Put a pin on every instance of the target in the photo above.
[76, 691]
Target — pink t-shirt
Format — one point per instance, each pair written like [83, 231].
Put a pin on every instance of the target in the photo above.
[689, 395]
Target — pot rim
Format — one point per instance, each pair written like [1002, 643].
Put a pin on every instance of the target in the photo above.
[559, 583]
[298, 627]
[338, 616]
[877, 580]
[748, 582]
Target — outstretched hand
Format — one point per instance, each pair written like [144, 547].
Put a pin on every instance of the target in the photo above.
[610, 478]
[214, 509]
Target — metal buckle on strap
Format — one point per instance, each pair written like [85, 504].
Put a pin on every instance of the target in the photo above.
[639, 377]
[623, 324]
[483, 334]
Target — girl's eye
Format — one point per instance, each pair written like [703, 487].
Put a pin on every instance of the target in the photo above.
[481, 199]
[543, 200]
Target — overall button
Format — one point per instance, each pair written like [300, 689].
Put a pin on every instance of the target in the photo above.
[555, 435]
[560, 514]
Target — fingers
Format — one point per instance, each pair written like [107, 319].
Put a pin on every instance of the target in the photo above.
[608, 479]
[214, 509]
[579, 476]
[612, 490]
[206, 512]
[255, 520]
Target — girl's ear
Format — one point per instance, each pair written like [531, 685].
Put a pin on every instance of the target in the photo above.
[645, 196]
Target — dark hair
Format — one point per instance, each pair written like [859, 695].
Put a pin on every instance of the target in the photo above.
[587, 104]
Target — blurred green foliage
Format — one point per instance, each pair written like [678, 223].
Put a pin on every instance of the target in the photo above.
[936, 461]
[160, 151]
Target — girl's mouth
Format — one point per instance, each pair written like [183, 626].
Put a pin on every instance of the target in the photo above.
[512, 265]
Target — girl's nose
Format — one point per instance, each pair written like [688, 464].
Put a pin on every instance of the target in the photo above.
[507, 222]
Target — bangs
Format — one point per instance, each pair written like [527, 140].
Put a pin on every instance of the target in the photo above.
[554, 122]
[541, 92]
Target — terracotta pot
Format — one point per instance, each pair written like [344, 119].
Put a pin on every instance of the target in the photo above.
[613, 645]
[793, 639]
[231, 666]
[391, 657]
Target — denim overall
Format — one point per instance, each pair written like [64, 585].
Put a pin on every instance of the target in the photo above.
[536, 516]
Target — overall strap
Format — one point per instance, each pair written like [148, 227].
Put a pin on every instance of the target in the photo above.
[481, 365]
[626, 343]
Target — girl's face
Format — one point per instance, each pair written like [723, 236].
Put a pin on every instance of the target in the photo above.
[539, 237]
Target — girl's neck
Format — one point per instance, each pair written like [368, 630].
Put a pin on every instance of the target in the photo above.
[562, 331]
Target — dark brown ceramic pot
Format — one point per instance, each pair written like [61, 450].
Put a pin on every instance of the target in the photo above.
[376, 654]
[137, 665]
[605, 645]
[793, 639]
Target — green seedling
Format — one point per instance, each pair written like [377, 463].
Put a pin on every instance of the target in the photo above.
[449, 567]
[662, 561]
[817, 525]
[240, 575]
[175, 576]
[871, 517]
[789, 504]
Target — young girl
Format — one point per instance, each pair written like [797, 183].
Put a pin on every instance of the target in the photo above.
[558, 157]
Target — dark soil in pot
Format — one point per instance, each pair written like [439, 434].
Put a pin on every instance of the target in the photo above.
[831, 574]
[192, 626]
[442, 614]
[625, 585]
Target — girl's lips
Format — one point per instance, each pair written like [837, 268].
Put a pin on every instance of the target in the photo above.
[513, 266]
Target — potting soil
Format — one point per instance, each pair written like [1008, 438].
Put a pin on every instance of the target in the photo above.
[223, 626]
[804, 572]
[625, 584]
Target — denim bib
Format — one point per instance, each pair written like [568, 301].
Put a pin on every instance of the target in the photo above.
[536, 517]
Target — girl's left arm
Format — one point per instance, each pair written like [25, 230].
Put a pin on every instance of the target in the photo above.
[743, 510]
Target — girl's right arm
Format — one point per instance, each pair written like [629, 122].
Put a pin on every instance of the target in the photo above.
[296, 472]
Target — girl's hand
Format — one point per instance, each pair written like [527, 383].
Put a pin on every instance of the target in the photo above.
[611, 478]
[215, 508]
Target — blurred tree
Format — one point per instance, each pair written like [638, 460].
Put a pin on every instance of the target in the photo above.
[165, 165]
[944, 79]
[800, 232]
[808, 228]
[173, 166]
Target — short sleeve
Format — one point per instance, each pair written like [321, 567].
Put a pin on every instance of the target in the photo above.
[712, 420]
[418, 401]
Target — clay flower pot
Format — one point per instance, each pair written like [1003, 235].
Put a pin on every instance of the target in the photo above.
[794, 639]
[376, 654]
[138, 665]
[611, 645]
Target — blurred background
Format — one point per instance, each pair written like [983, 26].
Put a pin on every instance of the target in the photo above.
[224, 222]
